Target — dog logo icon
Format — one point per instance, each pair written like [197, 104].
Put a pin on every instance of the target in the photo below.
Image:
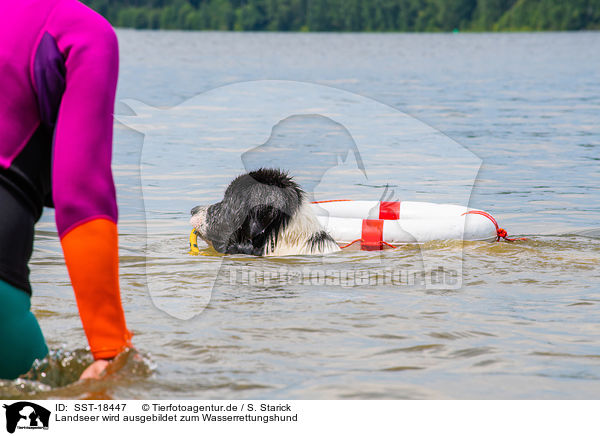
[26, 415]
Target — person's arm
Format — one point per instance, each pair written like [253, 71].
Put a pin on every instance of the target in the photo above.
[83, 188]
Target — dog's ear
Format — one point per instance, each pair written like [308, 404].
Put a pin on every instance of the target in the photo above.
[260, 221]
[266, 221]
[247, 239]
[261, 227]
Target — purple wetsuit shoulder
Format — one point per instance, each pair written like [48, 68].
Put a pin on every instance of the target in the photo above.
[59, 68]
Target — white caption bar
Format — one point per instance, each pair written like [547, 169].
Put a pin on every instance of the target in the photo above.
[70, 417]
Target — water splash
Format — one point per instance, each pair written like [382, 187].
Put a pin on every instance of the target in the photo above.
[57, 376]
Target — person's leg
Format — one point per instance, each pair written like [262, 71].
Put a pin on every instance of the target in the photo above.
[21, 339]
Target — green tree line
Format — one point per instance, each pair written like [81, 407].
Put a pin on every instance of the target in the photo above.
[352, 15]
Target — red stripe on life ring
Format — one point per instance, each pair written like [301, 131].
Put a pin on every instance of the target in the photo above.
[372, 235]
[389, 210]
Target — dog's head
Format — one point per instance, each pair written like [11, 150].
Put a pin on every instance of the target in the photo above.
[255, 207]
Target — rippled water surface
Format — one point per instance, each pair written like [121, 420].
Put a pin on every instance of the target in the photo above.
[520, 138]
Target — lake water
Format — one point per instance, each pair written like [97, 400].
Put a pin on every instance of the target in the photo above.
[507, 123]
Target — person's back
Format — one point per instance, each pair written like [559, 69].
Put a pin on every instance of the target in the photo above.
[58, 74]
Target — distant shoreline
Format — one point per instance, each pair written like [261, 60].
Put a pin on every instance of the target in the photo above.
[395, 16]
[365, 32]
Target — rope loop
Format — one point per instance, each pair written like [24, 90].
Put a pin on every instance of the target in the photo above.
[500, 232]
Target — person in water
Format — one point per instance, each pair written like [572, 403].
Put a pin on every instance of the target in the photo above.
[58, 75]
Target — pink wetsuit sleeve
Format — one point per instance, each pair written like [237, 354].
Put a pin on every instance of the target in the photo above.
[83, 187]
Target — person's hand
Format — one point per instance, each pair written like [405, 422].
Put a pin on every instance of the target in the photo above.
[94, 370]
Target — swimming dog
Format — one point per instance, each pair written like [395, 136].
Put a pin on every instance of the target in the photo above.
[263, 213]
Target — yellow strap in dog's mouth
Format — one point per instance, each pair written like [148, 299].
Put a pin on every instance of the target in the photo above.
[194, 251]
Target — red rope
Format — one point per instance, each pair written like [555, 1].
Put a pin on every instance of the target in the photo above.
[349, 244]
[500, 232]
[327, 201]
[362, 240]
[388, 244]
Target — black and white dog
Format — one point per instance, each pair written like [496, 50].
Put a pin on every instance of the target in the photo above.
[264, 213]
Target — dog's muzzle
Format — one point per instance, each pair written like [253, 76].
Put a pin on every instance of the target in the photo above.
[198, 219]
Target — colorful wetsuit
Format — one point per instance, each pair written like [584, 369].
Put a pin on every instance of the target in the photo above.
[58, 75]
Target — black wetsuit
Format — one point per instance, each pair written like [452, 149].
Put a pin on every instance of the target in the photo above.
[24, 191]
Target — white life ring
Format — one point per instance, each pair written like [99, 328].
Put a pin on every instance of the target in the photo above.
[378, 224]
[386, 210]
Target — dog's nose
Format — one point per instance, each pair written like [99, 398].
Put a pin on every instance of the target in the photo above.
[195, 210]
